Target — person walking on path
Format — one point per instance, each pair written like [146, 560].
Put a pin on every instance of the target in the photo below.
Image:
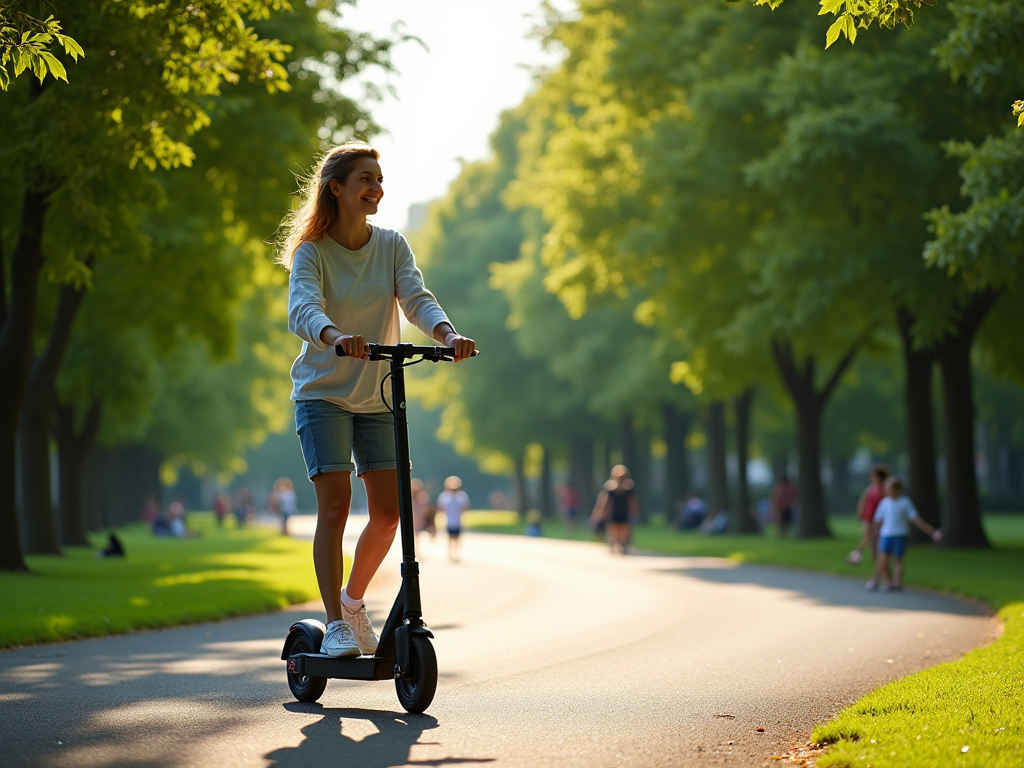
[784, 498]
[866, 506]
[892, 522]
[421, 509]
[284, 493]
[349, 280]
[453, 501]
[617, 506]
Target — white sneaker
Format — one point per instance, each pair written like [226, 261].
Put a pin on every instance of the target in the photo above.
[339, 641]
[362, 629]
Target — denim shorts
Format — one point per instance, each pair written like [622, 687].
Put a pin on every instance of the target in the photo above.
[893, 545]
[330, 437]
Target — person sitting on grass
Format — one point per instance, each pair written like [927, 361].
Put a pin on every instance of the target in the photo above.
[892, 522]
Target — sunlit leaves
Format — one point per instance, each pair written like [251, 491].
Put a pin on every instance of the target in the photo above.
[26, 44]
[854, 14]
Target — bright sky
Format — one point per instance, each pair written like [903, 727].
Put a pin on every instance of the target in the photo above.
[450, 96]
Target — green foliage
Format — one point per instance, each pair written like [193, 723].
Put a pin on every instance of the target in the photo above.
[27, 44]
[162, 582]
[182, 338]
[496, 405]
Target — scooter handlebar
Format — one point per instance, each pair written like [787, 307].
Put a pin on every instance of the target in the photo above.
[406, 351]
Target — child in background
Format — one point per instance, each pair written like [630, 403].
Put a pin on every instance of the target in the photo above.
[892, 522]
[866, 506]
[453, 501]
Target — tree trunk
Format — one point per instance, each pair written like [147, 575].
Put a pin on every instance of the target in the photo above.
[677, 460]
[34, 429]
[73, 448]
[741, 517]
[809, 403]
[545, 506]
[961, 524]
[917, 396]
[718, 476]
[15, 361]
[520, 487]
[581, 472]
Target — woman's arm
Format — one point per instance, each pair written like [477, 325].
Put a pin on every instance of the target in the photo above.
[306, 316]
[421, 308]
[463, 346]
[599, 507]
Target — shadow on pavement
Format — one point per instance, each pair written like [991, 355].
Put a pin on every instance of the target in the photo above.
[326, 744]
[828, 589]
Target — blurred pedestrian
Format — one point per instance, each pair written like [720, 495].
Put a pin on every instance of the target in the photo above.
[692, 513]
[866, 506]
[151, 509]
[453, 501]
[893, 517]
[422, 519]
[569, 501]
[221, 508]
[618, 507]
[497, 500]
[284, 491]
[176, 515]
[244, 506]
[784, 499]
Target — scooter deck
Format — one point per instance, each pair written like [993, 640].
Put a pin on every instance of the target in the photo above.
[358, 668]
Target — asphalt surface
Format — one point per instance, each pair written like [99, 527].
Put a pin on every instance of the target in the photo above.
[551, 654]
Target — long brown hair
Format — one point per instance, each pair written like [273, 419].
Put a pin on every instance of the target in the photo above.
[317, 208]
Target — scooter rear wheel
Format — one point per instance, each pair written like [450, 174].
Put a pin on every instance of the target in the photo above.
[418, 683]
[304, 688]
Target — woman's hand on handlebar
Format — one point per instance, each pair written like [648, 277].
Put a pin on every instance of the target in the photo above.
[353, 346]
[464, 347]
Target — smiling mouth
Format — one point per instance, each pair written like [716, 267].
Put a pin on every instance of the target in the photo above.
[373, 200]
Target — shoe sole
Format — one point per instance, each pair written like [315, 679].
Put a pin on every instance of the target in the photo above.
[342, 653]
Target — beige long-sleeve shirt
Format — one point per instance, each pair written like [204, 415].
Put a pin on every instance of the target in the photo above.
[358, 292]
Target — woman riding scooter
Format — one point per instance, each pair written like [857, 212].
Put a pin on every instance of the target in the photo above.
[348, 281]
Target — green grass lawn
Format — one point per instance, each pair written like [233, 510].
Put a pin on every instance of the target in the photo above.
[965, 713]
[161, 583]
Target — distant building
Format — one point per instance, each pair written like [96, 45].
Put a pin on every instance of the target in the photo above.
[417, 217]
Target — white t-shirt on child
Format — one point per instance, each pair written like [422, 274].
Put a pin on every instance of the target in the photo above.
[895, 516]
[453, 504]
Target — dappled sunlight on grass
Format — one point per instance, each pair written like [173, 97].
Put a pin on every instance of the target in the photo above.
[161, 582]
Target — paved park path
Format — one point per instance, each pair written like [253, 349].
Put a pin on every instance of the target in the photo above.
[551, 654]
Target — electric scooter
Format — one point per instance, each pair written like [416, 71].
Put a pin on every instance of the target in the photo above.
[404, 653]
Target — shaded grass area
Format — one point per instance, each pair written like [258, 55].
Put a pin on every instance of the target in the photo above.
[161, 583]
[924, 720]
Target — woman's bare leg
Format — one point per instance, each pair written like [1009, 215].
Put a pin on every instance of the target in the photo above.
[376, 538]
[333, 497]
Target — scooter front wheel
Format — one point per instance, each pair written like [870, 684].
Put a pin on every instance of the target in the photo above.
[418, 683]
[304, 688]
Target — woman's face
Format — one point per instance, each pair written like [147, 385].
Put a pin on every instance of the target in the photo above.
[362, 191]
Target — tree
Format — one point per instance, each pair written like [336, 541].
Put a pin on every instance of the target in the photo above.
[146, 116]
